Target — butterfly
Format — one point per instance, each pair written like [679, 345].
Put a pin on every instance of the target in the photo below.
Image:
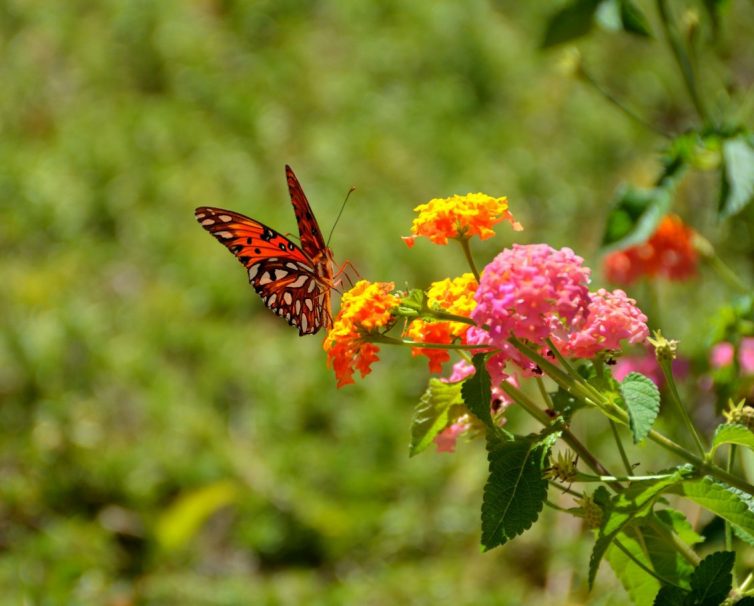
[293, 280]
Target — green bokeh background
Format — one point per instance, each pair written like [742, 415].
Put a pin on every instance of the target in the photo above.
[165, 439]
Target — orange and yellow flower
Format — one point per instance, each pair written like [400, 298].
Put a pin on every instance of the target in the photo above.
[669, 253]
[454, 296]
[366, 308]
[458, 217]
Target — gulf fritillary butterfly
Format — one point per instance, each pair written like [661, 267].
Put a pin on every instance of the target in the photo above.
[294, 281]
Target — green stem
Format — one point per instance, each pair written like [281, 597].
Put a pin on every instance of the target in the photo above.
[747, 581]
[667, 371]
[467, 251]
[619, 104]
[728, 528]
[727, 274]
[379, 338]
[676, 46]
[554, 506]
[619, 444]
[566, 489]
[585, 477]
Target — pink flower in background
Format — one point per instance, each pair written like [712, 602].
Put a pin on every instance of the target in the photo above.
[447, 438]
[721, 354]
[646, 364]
[533, 292]
[613, 317]
[746, 355]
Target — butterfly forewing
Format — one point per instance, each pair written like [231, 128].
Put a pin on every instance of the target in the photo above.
[312, 242]
[290, 283]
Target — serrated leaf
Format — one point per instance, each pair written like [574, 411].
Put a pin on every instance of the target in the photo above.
[633, 20]
[724, 501]
[635, 215]
[712, 579]
[477, 392]
[516, 489]
[733, 433]
[570, 22]
[624, 508]
[678, 523]
[639, 585]
[670, 596]
[433, 413]
[642, 400]
[737, 177]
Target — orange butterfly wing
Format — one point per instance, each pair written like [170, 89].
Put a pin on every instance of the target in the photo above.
[292, 283]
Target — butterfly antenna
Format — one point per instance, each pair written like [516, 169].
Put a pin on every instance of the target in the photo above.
[342, 208]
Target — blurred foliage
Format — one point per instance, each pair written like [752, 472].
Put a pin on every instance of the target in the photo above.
[139, 374]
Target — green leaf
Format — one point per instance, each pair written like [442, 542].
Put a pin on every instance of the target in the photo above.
[737, 177]
[670, 596]
[633, 20]
[724, 501]
[733, 433]
[635, 216]
[477, 392]
[712, 579]
[624, 508]
[639, 585]
[516, 489]
[570, 22]
[433, 413]
[642, 400]
[675, 521]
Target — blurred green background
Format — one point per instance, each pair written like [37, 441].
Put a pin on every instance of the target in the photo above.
[163, 438]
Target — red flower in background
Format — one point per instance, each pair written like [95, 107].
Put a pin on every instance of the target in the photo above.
[669, 253]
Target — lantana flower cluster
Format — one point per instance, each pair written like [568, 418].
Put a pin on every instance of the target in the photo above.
[669, 253]
[453, 296]
[442, 219]
[364, 311]
[529, 303]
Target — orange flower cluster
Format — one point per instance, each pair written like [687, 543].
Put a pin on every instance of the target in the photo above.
[458, 217]
[364, 309]
[669, 253]
[452, 296]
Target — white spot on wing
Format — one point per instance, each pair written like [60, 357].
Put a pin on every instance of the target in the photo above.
[271, 299]
[225, 218]
[225, 235]
[280, 273]
[209, 221]
[298, 306]
[309, 304]
[265, 279]
[287, 298]
[312, 285]
[253, 271]
[304, 323]
[298, 282]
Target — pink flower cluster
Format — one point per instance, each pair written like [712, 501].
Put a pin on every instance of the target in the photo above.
[613, 317]
[535, 293]
[722, 354]
[532, 291]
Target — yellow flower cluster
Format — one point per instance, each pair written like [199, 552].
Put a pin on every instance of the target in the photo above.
[458, 217]
[454, 296]
[365, 308]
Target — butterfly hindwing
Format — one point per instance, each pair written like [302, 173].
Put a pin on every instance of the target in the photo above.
[279, 270]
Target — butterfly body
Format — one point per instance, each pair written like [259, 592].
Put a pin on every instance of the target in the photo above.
[293, 281]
